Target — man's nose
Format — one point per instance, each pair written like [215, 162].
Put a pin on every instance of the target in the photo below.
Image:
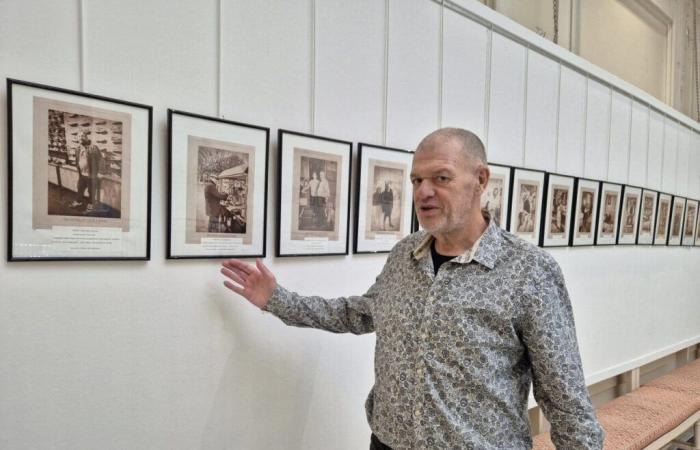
[424, 190]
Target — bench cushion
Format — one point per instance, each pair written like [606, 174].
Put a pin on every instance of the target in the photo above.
[637, 419]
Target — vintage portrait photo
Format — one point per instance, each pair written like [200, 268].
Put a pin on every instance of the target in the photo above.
[691, 214]
[81, 157]
[630, 214]
[677, 219]
[219, 189]
[647, 215]
[610, 200]
[316, 195]
[384, 203]
[662, 220]
[492, 199]
[527, 207]
[80, 166]
[584, 213]
[559, 206]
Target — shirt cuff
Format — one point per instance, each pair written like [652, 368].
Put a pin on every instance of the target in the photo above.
[277, 300]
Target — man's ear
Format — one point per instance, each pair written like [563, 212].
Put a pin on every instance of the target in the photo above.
[483, 173]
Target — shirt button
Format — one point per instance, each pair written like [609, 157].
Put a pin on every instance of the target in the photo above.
[417, 412]
[419, 372]
[424, 336]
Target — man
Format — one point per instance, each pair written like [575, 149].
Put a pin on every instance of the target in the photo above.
[387, 200]
[324, 192]
[465, 315]
[214, 210]
[88, 165]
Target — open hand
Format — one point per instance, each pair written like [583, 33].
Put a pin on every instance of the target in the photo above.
[254, 282]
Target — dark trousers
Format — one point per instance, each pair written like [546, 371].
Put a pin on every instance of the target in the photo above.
[376, 444]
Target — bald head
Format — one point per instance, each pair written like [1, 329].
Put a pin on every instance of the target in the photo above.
[469, 143]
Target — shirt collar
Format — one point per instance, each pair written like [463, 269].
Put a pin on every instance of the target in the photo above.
[484, 251]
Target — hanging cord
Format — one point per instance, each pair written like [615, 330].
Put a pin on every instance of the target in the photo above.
[695, 55]
[555, 9]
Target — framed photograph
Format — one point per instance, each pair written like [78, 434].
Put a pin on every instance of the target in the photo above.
[677, 214]
[313, 198]
[526, 204]
[691, 217]
[629, 216]
[218, 187]
[495, 199]
[584, 220]
[558, 202]
[79, 175]
[608, 213]
[647, 217]
[663, 219]
[384, 200]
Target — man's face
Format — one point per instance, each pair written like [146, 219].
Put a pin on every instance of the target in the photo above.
[447, 187]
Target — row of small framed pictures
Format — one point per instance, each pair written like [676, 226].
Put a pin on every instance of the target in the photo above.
[552, 210]
[80, 184]
[80, 176]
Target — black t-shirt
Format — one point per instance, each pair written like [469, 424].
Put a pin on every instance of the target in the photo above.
[438, 259]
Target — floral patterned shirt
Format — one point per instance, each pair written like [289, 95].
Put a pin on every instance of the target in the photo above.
[456, 352]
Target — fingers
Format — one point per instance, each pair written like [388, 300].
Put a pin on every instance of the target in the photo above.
[263, 268]
[237, 264]
[237, 289]
[232, 275]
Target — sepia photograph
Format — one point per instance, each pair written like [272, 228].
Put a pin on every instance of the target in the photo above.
[88, 195]
[647, 215]
[219, 189]
[526, 209]
[495, 199]
[558, 202]
[586, 202]
[314, 195]
[677, 210]
[691, 215]
[663, 219]
[611, 195]
[218, 179]
[384, 204]
[630, 215]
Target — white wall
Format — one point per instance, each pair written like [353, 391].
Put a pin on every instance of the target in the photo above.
[158, 355]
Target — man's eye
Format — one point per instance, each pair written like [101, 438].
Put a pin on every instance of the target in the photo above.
[415, 181]
[442, 179]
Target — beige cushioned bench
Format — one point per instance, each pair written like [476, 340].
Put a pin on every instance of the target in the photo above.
[649, 417]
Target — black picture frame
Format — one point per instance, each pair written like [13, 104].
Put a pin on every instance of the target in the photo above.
[663, 197]
[578, 186]
[236, 154]
[545, 223]
[84, 139]
[505, 173]
[537, 176]
[615, 188]
[643, 239]
[295, 233]
[690, 242]
[393, 161]
[626, 240]
[671, 241]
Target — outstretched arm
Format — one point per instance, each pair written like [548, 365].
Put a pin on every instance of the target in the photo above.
[339, 315]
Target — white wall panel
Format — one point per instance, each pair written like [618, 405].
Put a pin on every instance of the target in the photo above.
[40, 42]
[350, 70]
[639, 145]
[683, 160]
[572, 123]
[541, 124]
[656, 150]
[670, 162]
[597, 131]
[170, 56]
[507, 101]
[267, 63]
[621, 114]
[694, 175]
[465, 56]
[414, 39]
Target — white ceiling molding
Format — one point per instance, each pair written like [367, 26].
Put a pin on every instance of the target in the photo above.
[651, 13]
